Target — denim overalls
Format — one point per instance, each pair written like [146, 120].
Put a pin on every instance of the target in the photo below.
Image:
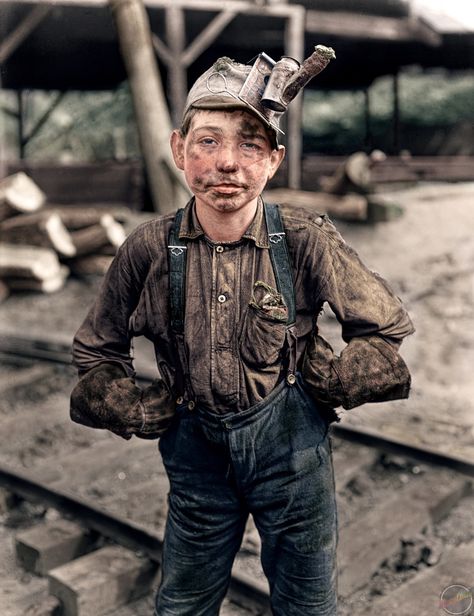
[272, 460]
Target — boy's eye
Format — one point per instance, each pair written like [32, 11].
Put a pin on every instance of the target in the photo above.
[250, 146]
[208, 141]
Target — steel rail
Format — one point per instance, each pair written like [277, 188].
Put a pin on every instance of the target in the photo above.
[243, 590]
[421, 453]
[59, 352]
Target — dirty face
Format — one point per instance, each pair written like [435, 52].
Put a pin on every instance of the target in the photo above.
[227, 159]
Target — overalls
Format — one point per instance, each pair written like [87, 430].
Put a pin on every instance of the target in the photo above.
[272, 460]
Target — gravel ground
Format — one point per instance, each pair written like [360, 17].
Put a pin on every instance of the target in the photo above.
[428, 257]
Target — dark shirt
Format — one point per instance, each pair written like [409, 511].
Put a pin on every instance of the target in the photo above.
[233, 349]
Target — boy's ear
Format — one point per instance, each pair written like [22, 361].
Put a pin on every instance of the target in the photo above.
[276, 159]
[177, 148]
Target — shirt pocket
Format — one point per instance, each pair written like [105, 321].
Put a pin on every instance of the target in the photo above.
[263, 336]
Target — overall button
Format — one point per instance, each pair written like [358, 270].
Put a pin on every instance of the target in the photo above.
[191, 405]
[219, 248]
[221, 299]
[227, 425]
[180, 400]
[291, 379]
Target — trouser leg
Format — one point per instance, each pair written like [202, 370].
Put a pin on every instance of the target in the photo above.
[205, 524]
[293, 504]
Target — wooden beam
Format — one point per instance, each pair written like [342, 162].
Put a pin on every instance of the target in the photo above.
[162, 50]
[356, 25]
[23, 30]
[177, 78]
[207, 36]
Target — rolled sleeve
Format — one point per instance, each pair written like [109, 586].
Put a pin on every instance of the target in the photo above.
[361, 299]
[104, 336]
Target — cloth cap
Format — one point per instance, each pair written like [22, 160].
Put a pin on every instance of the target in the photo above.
[231, 85]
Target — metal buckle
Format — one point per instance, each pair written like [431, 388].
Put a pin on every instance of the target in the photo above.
[176, 251]
[275, 238]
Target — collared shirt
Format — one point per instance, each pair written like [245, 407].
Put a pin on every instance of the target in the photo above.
[234, 349]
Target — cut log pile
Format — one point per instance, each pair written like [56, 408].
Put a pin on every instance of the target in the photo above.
[41, 246]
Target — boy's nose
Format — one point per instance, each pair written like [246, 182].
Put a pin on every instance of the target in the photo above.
[227, 159]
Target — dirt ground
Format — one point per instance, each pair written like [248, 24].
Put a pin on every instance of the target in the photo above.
[427, 255]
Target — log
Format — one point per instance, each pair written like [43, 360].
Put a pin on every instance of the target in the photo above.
[107, 232]
[19, 195]
[90, 265]
[345, 207]
[80, 217]
[4, 291]
[17, 261]
[40, 229]
[48, 285]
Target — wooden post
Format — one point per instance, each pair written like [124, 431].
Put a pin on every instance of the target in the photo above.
[21, 129]
[177, 81]
[396, 115]
[368, 126]
[294, 47]
[151, 109]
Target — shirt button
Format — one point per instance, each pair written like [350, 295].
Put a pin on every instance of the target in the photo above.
[227, 425]
[319, 221]
[221, 299]
[219, 248]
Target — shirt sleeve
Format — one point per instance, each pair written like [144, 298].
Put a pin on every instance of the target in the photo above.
[105, 336]
[361, 299]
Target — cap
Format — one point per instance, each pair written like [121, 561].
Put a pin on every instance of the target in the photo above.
[231, 85]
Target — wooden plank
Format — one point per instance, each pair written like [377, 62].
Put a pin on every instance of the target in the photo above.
[411, 509]
[428, 593]
[102, 581]
[51, 544]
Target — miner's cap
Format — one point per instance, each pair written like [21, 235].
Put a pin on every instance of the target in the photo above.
[229, 85]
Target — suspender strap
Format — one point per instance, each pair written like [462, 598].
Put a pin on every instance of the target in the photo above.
[177, 289]
[280, 259]
[177, 275]
[284, 278]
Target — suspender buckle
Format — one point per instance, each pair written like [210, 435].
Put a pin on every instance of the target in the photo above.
[177, 251]
[276, 238]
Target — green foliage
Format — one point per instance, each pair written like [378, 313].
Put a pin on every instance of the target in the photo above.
[334, 122]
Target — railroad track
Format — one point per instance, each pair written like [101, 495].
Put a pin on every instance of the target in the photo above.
[79, 504]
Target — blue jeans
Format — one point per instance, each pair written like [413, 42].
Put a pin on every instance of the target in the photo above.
[273, 461]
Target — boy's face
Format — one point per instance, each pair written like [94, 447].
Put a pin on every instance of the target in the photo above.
[227, 158]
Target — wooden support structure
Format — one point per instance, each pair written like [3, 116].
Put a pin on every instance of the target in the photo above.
[151, 110]
[23, 30]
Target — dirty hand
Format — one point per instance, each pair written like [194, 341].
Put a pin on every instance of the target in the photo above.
[369, 369]
[106, 398]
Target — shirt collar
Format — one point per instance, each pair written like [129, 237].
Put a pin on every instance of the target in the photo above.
[257, 230]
